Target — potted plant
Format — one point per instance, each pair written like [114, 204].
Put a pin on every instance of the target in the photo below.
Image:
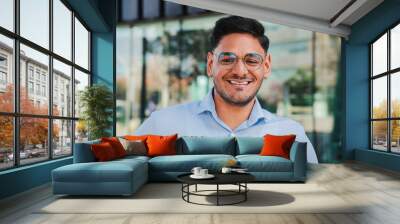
[96, 103]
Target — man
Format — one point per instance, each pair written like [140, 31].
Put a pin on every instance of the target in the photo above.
[238, 63]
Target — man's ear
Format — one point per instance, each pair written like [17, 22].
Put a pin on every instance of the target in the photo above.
[267, 66]
[209, 64]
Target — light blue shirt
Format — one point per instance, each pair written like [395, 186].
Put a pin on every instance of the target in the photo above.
[200, 118]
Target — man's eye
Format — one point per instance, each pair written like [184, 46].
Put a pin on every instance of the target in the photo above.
[227, 60]
[252, 62]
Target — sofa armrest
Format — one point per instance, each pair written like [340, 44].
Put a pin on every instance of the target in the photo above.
[83, 152]
[298, 155]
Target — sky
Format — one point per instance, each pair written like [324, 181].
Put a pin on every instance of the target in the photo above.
[35, 27]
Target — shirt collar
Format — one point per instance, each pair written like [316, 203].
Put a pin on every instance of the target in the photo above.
[207, 104]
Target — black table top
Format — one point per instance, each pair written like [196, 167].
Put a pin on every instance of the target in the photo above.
[220, 178]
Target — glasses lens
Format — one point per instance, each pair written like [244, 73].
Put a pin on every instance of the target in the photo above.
[253, 60]
[226, 58]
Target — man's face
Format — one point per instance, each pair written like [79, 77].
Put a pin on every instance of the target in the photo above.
[237, 84]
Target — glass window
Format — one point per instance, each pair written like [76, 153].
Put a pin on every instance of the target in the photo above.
[7, 14]
[62, 29]
[6, 142]
[379, 56]
[395, 136]
[62, 138]
[33, 140]
[30, 87]
[395, 47]
[81, 131]
[379, 135]
[379, 98]
[81, 81]
[40, 62]
[81, 45]
[63, 72]
[34, 21]
[395, 95]
[6, 73]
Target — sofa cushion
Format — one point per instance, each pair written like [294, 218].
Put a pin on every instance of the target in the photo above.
[249, 145]
[257, 163]
[83, 152]
[185, 163]
[197, 145]
[111, 171]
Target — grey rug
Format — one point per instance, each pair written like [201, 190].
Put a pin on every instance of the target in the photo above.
[166, 198]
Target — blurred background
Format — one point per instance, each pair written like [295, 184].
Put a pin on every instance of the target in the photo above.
[161, 61]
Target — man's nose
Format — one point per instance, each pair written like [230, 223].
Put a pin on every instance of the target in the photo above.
[240, 68]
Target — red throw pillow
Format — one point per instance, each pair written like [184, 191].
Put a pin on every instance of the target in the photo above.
[116, 145]
[103, 151]
[136, 137]
[161, 145]
[277, 145]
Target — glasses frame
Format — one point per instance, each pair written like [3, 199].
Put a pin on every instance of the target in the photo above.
[237, 58]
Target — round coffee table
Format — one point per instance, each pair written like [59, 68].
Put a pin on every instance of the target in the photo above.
[238, 179]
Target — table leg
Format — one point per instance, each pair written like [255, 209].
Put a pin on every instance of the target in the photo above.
[217, 194]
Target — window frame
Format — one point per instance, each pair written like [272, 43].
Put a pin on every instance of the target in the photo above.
[16, 115]
[388, 74]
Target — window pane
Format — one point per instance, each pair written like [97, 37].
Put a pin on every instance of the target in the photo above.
[35, 21]
[6, 142]
[62, 141]
[81, 81]
[6, 74]
[395, 94]
[7, 14]
[62, 89]
[62, 29]
[379, 55]
[395, 136]
[34, 97]
[33, 139]
[81, 131]
[379, 135]
[81, 45]
[379, 97]
[395, 47]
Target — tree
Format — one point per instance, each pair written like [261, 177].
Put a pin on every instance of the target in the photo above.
[97, 102]
[33, 131]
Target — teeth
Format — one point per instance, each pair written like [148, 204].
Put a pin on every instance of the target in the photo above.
[238, 82]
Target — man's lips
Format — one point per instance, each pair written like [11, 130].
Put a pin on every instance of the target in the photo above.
[241, 82]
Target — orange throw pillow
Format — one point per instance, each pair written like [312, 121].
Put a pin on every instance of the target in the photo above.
[161, 145]
[103, 152]
[277, 145]
[136, 137]
[116, 145]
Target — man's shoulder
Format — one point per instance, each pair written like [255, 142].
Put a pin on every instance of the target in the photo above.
[177, 110]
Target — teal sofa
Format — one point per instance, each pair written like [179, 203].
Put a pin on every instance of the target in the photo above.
[125, 176]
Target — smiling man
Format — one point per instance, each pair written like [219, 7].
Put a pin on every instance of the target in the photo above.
[237, 63]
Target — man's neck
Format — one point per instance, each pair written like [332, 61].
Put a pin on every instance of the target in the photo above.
[232, 115]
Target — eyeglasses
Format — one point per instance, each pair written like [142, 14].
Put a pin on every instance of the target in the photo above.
[252, 61]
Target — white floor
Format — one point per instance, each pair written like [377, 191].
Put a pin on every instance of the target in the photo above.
[377, 189]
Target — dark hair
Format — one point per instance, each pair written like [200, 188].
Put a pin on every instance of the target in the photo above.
[237, 24]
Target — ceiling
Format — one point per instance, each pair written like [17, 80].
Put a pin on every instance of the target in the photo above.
[326, 16]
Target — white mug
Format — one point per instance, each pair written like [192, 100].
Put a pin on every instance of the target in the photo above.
[196, 170]
[203, 172]
[226, 170]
